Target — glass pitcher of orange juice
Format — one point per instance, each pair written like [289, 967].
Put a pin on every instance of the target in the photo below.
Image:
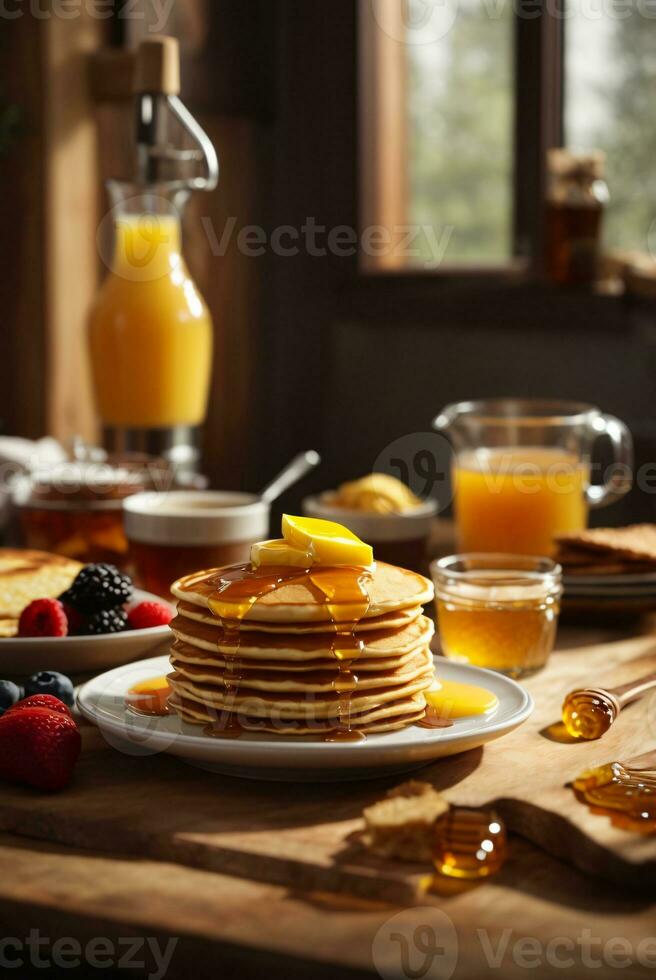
[523, 471]
[150, 330]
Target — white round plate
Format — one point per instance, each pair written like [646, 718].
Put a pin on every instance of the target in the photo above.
[83, 654]
[263, 756]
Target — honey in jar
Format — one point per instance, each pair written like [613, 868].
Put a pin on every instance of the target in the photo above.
[498, 611]
[469, 843]
[75, 509]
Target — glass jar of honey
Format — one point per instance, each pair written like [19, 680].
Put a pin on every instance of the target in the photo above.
[76, 509]
[576, 196]
[498, 611]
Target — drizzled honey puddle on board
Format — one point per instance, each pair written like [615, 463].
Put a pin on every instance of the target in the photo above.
[311, 638]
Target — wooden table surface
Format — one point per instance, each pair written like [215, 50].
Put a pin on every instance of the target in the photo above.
[96, 879]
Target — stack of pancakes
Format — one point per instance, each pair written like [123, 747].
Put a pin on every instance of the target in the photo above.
[284, 675]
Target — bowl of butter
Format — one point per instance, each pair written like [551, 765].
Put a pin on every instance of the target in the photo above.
[385, 513]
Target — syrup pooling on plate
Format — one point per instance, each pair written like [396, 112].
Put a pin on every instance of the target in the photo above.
[150, 697]
[344, 590]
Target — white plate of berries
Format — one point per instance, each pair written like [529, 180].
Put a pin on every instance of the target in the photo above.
[100, 621]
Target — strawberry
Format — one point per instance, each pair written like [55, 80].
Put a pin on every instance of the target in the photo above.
[43, 617]
[41, 701]
[148, 614]
[39, 747]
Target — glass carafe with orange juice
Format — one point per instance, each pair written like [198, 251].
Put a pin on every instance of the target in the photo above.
[522, 471]
[150, 331]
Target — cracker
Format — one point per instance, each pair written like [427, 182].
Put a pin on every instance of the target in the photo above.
[400, 826]
[634, 543]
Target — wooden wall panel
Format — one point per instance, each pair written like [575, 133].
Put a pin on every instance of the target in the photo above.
[70, 221]
[22, 335]
[48, 201]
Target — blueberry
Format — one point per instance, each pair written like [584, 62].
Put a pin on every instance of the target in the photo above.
[50, 682]
[10, 693]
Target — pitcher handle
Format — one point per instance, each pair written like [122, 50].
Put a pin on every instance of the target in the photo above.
[621, 479]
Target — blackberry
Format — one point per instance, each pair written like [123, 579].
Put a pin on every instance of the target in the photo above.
[106, 621]
[98, 587]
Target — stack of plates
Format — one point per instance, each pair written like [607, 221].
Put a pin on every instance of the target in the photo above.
[626, 592]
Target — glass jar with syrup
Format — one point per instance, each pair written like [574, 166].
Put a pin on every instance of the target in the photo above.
[576, 196]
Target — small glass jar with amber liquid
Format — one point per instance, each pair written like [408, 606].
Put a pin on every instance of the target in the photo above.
[576, 196]
[498, 611]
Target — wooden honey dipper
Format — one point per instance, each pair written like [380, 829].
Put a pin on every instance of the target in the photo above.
[589, 712]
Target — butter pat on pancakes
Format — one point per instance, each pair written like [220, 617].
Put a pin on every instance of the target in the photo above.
[308, 541]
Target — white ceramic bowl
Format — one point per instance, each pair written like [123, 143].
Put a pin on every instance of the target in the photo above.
[195, 517]
[22, 656]
[413, 524]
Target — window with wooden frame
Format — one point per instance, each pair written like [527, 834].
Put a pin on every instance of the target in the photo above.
[460, 100]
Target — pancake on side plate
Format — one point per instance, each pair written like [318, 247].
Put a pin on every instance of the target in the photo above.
[28, 575]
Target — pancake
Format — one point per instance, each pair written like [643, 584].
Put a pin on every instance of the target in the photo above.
[274, 707]
[28, 575]
[378, 644]
[298, 601]
[388, 717]
[303, 683]
[187, 653]
[392, 620]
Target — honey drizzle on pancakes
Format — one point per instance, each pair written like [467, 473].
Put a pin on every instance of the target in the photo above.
[344, 591]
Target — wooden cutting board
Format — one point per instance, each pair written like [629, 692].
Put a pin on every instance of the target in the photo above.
[306, 836]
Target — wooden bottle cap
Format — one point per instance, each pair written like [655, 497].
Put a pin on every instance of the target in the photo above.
[158, 66]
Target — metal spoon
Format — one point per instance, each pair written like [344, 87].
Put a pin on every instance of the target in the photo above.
[292, 473]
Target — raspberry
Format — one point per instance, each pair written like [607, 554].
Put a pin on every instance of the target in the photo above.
[106, 621]
[43, 617]
[98, 587]
[148, 614]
